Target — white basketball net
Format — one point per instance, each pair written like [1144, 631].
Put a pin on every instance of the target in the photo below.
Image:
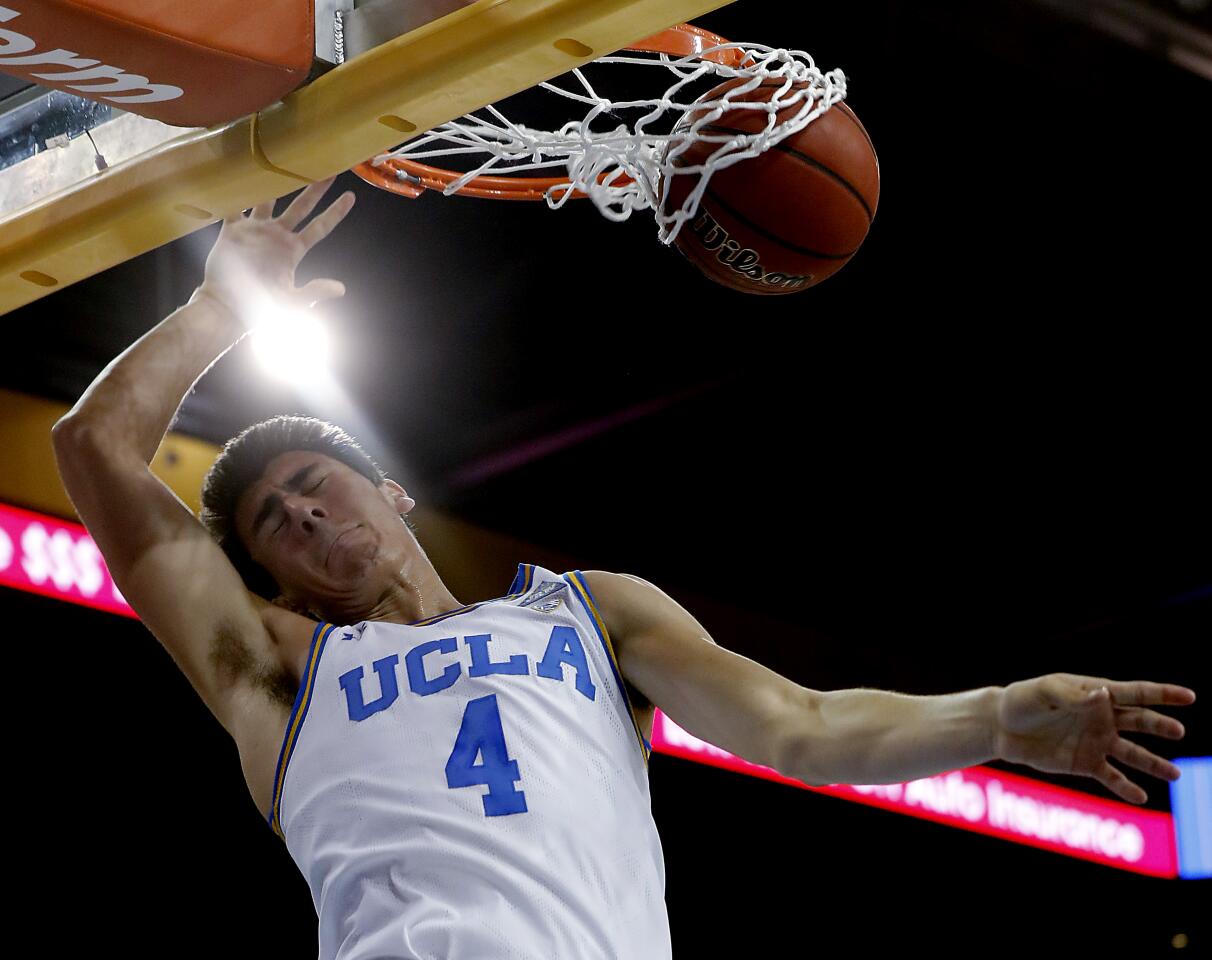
[599, 161]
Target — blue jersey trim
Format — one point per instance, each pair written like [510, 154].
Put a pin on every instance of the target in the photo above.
[298, 714]
[523, 579]
[576, 580]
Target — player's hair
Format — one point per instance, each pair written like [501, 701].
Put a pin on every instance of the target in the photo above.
[241, 463]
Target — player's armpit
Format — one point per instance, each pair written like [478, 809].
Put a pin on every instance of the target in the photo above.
[719, 696]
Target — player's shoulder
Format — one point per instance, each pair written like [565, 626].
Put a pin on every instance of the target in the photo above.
[631, 605]
[623, 599]
[614, 581]
[615, 586]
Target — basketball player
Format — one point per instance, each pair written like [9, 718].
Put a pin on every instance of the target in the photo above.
[470, 781]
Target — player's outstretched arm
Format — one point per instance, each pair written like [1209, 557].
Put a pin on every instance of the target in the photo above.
[175, 577]
[1060, 723]
[1052, 723]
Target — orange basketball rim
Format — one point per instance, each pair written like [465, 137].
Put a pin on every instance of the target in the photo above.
[409, 178]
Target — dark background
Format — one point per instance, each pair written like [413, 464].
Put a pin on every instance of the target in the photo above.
[976, 454]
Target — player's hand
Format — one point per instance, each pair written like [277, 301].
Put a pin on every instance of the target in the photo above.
[257, 253]
[1065, 723]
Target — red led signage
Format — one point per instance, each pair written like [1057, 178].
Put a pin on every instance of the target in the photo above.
[55, 559]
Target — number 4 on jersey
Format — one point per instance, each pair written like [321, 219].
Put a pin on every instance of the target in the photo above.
[481, 734]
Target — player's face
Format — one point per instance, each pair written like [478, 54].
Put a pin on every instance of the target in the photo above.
[327, 535]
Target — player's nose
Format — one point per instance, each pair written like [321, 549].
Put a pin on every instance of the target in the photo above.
[302, 510]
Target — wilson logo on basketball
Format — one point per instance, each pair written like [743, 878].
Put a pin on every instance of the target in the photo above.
[781, 221]
[742, 260]
[16, 49]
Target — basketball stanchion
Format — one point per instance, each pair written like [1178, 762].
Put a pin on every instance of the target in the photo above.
[749, 161]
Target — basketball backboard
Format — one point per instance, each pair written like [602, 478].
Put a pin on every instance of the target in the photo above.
[85, 186]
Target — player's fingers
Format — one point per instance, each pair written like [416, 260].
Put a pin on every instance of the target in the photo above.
[324, 224]
[1063, 689]
[1120, 785]
[304, 203]
[1141, 759]
[1137, 692]
[263, 211]
[1149, 721]
[317, 290]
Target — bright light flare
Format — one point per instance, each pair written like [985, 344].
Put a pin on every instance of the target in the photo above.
[291, 345]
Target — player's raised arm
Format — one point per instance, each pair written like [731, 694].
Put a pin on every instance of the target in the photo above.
[1060, 722]
[170, 570]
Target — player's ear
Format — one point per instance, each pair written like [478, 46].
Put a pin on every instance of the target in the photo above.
[400, 500]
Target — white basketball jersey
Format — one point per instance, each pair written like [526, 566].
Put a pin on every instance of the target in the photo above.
[474, 786]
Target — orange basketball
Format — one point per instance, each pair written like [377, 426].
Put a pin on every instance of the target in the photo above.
[788, 218]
